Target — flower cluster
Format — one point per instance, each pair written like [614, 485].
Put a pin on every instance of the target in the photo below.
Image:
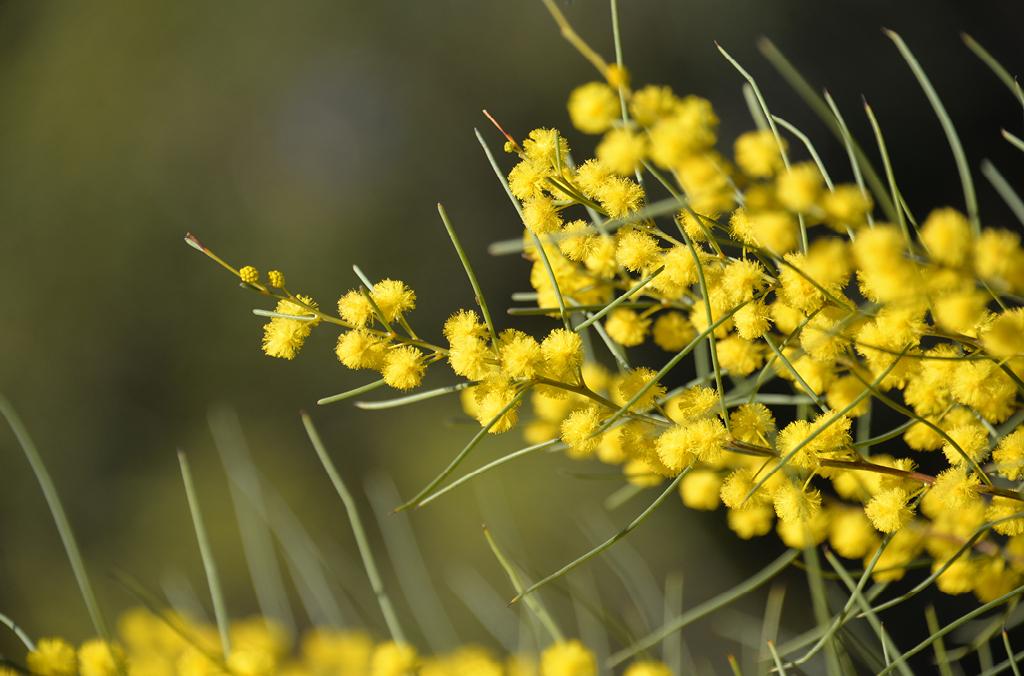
[838, 342]
[170, 644]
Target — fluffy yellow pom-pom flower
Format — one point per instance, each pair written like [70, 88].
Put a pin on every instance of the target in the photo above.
[562, 352]
[577, 431]
[699, 489]
[793, 504]
[567, 658]
[947, 236]
[648, 668]
[888, 510]
[393, 298]
[283, 336]
[403, 367]
[393, 659]
[52, 657]
[673, 331]
[626, 327]
[593, 107]
[757, 153]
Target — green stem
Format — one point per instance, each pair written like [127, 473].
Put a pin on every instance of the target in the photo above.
[706, 608]
[966, 182]
[205, 551]
[533, 603]
[410, 399]
[365, 552]
[607, 543]
[980, 610]
[363, 389]
[22, 636]
[900, 217]
[551, 444]
[468, 267]
[457, 460]
[618, 301]
[60, 518]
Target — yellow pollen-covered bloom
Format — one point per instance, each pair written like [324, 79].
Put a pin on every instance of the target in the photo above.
[737, 485]
[699, 489]
[540, 215]
[888, 510]
[355, 308]
[999, 259]
[632, 383]
[637, 250]
[772, 230]
[689, 130]
[244, 662]
[393, 659]
[750, 521]
[705, 179]
[804, 533]
[738, 356]
[567, 658]
[692, 403]
[403, 367]
[958, 578]
[464, 324]
[1005, 508]
[757, 153]
[843, 391]
[648, 668]
[679, 274]
[673, 331]
[954, 488]
[651, 103]
[521, 355]
[795, 504]
[622, 151]
[360, 349]
[851, 533]
[593, 107]
[562, 352]
[620, 196]
[393, 298]
[846, 207]
[742, 279]
[752, 320]
[799, 188]
[546, 146]
[52, 657]
[1009, 455]
[704, 439]
[529, 179]
[1004, 336]
[591, 175]
[577, 431]
[576, 247]
[626, 327]
[283, 336]
[946, 234]
[972, 440]
[752, 423]
[468, 357]
[960, 310]
[492, 397]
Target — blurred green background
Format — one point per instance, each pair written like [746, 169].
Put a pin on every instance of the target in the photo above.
[311, 135]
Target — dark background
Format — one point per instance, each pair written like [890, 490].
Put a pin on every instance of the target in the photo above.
[312, 135]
